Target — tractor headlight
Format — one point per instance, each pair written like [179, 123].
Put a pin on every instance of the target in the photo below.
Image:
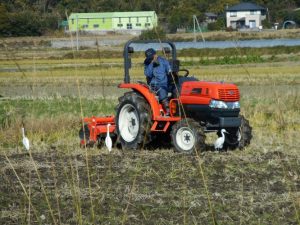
[224, 105]
[218, 104]
[235, 105]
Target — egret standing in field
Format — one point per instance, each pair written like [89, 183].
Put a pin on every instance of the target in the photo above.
[220, 141]
[25, 140]
[108, 141]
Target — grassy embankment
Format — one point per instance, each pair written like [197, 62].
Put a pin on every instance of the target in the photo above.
[61, 183]
[236, 35]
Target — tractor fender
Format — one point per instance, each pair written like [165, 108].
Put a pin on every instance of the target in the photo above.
[148, 95]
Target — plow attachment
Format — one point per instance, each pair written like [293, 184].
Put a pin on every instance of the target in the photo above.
[95, 130]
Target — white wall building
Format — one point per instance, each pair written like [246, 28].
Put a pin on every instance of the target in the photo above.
[245, 15]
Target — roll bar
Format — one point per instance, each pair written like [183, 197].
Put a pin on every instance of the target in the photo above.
[128, 50]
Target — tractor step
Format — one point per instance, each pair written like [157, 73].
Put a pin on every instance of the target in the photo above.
[162, 123]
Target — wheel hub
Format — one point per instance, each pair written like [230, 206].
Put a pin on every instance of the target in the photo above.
[185, 138]
[132, 121]
[128, 123]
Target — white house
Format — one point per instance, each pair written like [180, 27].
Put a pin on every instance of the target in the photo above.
[245, 15]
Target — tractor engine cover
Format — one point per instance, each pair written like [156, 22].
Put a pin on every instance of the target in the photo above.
[216, 103]
[198, 92]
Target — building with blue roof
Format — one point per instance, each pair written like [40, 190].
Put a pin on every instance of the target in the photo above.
[245, 15]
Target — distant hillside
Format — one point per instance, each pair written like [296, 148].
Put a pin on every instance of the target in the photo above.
[36, 17]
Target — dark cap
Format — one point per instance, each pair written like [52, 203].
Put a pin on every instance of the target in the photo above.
[149, 53]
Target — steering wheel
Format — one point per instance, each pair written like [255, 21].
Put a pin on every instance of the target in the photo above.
[187, 72]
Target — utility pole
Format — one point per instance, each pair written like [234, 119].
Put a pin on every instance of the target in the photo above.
[195, 20]
[195, 36]
[77, 47]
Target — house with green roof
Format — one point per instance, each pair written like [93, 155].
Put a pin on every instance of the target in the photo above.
[120, 22]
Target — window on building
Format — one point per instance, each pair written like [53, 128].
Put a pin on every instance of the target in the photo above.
[137, 20]
[120, 20]
[147, 19]
[129, 19]
[103, 20]
[85, 26]
[72, 21]
[233, 24]
[96, 25]
[129, 26]
[147, 24]
[252, 23]
[120, 25]
[138, 24]
[233, 14]
[253, 12]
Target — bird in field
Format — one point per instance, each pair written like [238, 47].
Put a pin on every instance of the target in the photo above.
[25, 140]
[108, 141]
[220, 141]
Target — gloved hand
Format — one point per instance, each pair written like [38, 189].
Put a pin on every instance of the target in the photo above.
[147, 61]
[155, 64]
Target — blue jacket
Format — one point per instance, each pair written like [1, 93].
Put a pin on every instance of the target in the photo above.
[158, 75]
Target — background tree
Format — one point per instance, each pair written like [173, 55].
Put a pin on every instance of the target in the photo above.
[219, 6]
[35, 17]
[181, 17]
[4, 21]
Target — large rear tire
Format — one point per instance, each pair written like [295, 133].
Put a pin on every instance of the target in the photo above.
[187, 136]
[239, 138]
[133, 121]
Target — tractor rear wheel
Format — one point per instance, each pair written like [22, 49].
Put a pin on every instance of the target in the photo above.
[239, 138]
[133, 121]
[187, 135]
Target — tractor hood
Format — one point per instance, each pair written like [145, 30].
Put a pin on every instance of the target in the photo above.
[201, 92]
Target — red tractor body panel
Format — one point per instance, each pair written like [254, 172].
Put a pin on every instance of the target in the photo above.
[198, 92]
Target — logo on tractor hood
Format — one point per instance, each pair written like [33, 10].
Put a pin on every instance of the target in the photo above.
[231, 92]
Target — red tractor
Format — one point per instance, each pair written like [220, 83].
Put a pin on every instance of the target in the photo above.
[198, 108]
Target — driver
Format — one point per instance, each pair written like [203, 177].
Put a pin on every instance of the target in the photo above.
[156, 71]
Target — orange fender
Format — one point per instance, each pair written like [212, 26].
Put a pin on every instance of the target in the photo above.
[148, 95]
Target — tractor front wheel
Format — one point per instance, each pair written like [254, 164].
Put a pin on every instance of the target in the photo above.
[133, 120]
[239, 138]
[187, 136]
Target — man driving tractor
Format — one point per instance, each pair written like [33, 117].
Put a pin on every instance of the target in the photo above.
[156, 70]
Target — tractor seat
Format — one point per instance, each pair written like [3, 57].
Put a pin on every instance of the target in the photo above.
[175, 64]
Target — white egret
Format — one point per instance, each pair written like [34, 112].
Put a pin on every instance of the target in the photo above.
[108, 141]
[25, 140]
[220, 141]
